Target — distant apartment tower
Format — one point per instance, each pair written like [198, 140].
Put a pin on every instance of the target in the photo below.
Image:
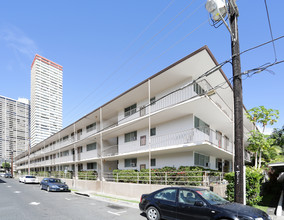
[46, 99]
[14, 127]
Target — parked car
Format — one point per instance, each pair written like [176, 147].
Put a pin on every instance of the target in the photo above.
[28, 179]
[8, 175]
[194, 203]
[53, 184]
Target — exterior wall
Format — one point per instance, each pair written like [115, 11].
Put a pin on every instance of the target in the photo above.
[167, 128]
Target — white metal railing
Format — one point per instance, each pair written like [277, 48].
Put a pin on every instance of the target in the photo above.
[110, 151]
[193, 178]
[191, 136]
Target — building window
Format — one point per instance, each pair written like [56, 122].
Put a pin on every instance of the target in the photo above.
[64, 138]
[153, 131]
[153, 162]
[91, 166]
[64, 153]
[201, 160]
[130, 162]
[92, 146]
[91, 127]
[197, 88]
[153, 101]
[80, 149]
[132, 136]
[201, 125]
[130, 110]
[80, 167]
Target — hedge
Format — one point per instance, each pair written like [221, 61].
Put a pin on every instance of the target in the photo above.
[184, 175]
[254, 178]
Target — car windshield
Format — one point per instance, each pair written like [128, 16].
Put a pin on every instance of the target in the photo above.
[30, 176]
[211, 197]
[55, 181]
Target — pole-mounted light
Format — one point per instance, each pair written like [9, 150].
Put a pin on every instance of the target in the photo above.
[218, 10]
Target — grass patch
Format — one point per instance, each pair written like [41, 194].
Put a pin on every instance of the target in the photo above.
[109, 197]
[268, 200]
[74, 190]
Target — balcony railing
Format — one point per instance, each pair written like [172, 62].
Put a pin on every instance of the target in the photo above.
[192, 136]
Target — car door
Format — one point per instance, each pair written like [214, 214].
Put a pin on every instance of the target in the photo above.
[191, 206]
[166, 202]
[44, 183]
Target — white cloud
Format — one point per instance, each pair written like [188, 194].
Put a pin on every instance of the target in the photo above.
[18, 41]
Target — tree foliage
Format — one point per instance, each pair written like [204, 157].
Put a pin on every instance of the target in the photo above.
[263, 116]
[6, 165]
[258, 142]
[278, 136]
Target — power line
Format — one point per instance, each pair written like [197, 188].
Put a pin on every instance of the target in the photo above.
[267, 12]
[135, 54]
[214, 68]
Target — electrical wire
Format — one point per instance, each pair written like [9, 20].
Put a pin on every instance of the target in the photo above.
[165, 51]
[130, 58]
[267, 13]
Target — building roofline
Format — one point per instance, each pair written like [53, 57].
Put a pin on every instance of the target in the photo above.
[205, 47]
[47, 61]
[14, 100]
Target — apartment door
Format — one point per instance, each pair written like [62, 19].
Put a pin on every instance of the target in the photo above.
[79, 151]
[219, 138]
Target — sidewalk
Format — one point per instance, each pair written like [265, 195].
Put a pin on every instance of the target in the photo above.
[125, 201]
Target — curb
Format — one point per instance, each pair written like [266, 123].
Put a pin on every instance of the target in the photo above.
[82, 194]
[110, 199]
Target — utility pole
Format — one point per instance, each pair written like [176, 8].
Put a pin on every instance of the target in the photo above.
[218, 10]
[238, 103]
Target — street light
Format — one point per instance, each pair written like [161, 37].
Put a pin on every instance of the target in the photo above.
[218, 10]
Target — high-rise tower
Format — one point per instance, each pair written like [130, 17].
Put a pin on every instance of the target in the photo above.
[46, 99]
[14, 127]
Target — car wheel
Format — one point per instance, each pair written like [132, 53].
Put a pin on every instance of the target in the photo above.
[48, 189]
[152, 213]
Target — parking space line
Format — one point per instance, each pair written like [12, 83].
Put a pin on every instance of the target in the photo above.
[116, 213]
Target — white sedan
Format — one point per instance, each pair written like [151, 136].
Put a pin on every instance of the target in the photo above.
[28, 179]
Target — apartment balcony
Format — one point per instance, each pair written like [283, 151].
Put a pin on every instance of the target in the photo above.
[87, 155]
[192, 136]
[110, 151]
[86, 134]
[174, 98]
[207, 141]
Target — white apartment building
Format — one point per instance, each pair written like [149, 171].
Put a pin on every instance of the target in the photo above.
[46, 99]
[14, 127]
[174, 118]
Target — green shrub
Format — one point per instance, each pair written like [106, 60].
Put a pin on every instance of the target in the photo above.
[88, 175]
[184, 175]
[253, 185]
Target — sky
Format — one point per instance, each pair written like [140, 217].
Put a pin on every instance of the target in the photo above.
[108, 46]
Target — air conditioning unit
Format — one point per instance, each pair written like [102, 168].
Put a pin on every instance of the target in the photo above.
[207, 164]
[133, 164]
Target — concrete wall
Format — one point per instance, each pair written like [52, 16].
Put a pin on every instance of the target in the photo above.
[129, 190]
